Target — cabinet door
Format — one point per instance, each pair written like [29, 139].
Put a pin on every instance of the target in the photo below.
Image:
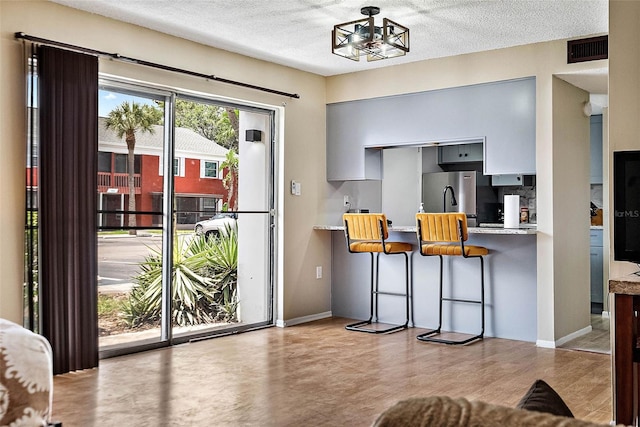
[449, 154]
[460, 153]
[510, 180]
[471, 152]
[516, 153]
[510, 157]
[596, 274]
[597, 283]
[596, 149]
[347, 158]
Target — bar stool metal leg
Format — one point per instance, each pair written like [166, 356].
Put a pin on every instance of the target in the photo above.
[429, 335]
[375, 292]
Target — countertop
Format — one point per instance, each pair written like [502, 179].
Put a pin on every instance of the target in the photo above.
[628, 285]
[489, 229]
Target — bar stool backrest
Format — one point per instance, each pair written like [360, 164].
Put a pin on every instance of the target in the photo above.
[365, 226]
[441, 227]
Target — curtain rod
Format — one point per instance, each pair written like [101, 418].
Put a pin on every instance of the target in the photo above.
[20, 35]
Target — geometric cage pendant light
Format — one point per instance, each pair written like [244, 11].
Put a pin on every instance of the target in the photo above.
[363, 37]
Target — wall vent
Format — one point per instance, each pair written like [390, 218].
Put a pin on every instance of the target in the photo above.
[587, 49]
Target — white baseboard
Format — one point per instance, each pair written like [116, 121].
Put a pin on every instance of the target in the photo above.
[574, 335]
[304, 319]
[545, 344]
[605, 315]
[567, 338]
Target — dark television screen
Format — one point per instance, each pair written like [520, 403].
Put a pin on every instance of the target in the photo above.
[626, 203]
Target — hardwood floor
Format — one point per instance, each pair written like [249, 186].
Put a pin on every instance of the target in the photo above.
[319, 374]
[597, 341]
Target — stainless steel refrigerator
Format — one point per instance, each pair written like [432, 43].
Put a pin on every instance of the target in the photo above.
[441, 189]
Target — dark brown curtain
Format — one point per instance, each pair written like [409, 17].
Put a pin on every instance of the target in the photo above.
[68, 109]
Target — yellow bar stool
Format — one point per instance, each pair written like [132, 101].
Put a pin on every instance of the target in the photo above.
[444, 234]
[368, 233]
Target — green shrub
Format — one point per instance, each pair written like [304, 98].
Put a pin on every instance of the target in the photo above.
[204, 280]
[223, 259]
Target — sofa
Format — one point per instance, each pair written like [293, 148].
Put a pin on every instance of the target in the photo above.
[541, 406]
[26, 377]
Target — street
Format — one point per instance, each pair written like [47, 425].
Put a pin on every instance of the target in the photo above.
[119, 257]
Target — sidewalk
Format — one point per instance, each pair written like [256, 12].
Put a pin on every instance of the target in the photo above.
[120, 288]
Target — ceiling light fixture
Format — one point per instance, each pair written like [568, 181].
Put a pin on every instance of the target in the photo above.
[363, 37]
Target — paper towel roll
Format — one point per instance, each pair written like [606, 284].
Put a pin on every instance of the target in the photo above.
[511, 211]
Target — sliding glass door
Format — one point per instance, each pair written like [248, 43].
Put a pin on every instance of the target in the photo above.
[132, 136]
[185, 238]
[223, 199]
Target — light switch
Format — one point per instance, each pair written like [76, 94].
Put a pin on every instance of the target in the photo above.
[295, 188]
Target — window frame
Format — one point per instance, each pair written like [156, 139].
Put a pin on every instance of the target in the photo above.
[203, 169]
[181, 166]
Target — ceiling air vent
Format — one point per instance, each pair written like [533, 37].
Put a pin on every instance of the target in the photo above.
[587, 49]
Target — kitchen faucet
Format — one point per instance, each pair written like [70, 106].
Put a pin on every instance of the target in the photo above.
[444, 198]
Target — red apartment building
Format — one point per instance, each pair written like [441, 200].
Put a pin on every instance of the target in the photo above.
[198, 178]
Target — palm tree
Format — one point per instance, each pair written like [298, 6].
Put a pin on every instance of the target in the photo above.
[229, 181]
[127, 119]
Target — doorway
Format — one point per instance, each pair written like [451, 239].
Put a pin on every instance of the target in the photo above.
[111, 203]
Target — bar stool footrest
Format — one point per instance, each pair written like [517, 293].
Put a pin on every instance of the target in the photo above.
[359, 327]
[468, 301]
[397, 294]
[430, 336]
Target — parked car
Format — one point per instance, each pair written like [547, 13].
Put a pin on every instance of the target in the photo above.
[217, 223]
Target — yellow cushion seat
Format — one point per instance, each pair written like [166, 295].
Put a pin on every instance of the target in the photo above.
[453, 250]
[392, 247]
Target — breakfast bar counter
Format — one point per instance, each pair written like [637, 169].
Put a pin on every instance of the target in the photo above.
[484, 229]
[510, 275]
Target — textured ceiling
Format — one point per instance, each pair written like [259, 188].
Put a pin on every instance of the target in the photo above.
[297, 33]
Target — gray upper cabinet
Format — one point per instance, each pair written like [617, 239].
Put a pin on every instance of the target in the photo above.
[347, 159]
[448, 154]
[512, 180]
[460, 153]
[502, 114]
[596, 149]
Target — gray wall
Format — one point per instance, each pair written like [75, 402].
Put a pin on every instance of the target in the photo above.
[362, 194]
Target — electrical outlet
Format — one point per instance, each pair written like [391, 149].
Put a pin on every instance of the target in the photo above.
[346, 201]
[319, 272]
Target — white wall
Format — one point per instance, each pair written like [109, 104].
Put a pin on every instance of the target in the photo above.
[571, 191]
[607, 253]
